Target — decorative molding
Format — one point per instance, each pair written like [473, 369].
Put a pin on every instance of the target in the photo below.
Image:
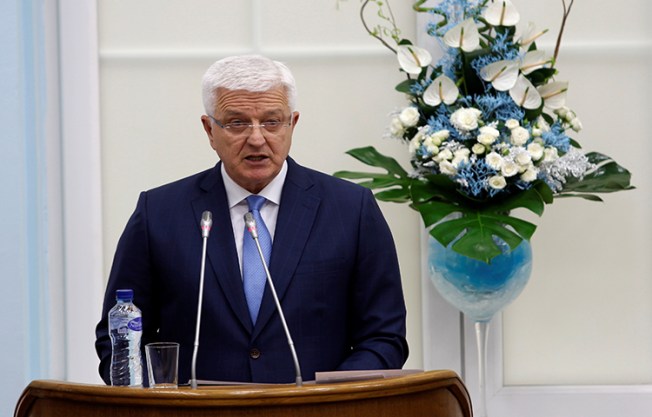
[584, 49]
[209, 54]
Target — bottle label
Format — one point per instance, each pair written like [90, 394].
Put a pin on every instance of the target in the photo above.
[136, 324]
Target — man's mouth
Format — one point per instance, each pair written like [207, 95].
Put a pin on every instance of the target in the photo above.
[256, 158]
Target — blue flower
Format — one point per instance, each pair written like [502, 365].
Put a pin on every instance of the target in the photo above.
[504, 47]
[455, 11]
[441, 120]
[556, 137]
[499, 107]
[473, 177]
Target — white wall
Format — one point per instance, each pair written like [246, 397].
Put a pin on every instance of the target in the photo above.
[586, 315]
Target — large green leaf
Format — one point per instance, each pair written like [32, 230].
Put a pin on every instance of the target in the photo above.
[394, 184]
[607, 177]
[370, 156]
[474, 233]
[533, 199]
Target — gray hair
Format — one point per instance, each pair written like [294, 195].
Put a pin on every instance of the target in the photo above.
[253, 73]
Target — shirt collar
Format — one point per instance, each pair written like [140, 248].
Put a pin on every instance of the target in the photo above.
[272, 192]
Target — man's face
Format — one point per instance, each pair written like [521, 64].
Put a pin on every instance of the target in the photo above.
[253, 157]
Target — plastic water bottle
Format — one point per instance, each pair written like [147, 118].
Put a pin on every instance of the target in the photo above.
[126, 329]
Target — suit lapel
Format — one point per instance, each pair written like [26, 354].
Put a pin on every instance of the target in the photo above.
[296, 215]
[221, 254]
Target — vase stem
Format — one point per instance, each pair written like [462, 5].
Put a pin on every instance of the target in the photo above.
[481, 335]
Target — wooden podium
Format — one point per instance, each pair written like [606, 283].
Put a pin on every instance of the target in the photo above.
[432, 393]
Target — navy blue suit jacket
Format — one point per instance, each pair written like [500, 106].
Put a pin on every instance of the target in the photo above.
[333, 263]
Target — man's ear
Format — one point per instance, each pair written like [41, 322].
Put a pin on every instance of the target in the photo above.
[208, 128]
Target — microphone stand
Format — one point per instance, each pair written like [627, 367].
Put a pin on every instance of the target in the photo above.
[251, 226]
[206, 223]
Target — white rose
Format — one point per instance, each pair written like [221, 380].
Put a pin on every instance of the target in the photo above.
[576, 124]
[509, 169]
[396, 127]
[431, 146]
[415, 143]
[536, 150]
[530, 174]
[489, 130]
[460, 156]
[519, 136]
[511, 124]
[542, 124]
[494, 160]
[447, 168]
[550, 154]
[536, 132]
[562, 111]
[486, 139]
[439, 136]
[409, 116]
[497, 182]
[466, 120]
[478, 149]
[570, 115]
[488, 135]
[446, 154]
[524, 159]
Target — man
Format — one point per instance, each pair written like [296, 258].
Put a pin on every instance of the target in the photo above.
[333, 260]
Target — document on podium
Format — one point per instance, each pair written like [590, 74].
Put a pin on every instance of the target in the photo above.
[347, 376]
[331, 377]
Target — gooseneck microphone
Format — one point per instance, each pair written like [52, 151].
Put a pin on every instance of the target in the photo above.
[251, 228]
[206, 224]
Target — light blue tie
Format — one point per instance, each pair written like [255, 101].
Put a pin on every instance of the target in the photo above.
[253, 271]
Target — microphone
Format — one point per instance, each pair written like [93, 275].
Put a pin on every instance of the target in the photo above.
[206, 224]
[250, 223]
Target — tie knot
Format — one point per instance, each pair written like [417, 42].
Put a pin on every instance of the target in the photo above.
[255, 202]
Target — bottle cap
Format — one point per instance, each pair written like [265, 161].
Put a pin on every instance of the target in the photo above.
[124, 295]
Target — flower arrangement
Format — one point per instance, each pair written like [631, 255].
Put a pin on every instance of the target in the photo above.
[487, 128]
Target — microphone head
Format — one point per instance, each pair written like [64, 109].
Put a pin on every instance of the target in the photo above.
[206, 223]
[250, 223]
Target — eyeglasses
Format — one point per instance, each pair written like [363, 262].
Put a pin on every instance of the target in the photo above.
[239, 128]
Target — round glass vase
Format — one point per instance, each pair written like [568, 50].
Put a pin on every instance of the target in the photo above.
[480, 290]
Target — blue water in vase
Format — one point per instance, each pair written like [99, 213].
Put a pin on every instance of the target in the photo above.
[476, 288]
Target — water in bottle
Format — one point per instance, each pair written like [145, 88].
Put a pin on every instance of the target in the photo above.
[125, 329]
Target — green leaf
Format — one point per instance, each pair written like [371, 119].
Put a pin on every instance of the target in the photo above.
[405, 86]
[533, 199]
[473, 233]
[541, 75]
[477, 245]
[370, 156]
[394, 184]
[434, 211]
[393, 195]
[590, 197]
[607, 177]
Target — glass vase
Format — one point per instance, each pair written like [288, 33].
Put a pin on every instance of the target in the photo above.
[480, 290]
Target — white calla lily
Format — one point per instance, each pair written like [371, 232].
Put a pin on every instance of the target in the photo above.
[501, 74]
[528, 34]
[524, 94]
[412, 58]
[442, 89]
[534, 60]
[464, 35]
[501, 13]
[554, 94]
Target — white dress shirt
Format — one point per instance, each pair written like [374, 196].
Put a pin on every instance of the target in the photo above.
[238, 207]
